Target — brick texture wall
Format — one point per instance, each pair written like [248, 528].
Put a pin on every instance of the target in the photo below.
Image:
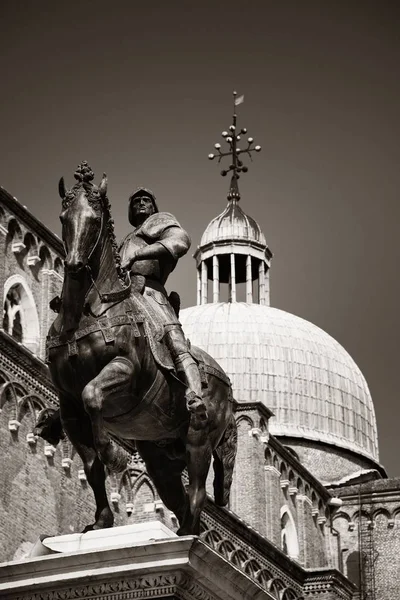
[368, 533]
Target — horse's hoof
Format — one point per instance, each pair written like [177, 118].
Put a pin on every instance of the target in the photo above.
[185, 531]
[97, 526]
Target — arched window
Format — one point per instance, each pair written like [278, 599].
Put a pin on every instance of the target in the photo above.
[289, 541]
[354, 568]
[20, 318]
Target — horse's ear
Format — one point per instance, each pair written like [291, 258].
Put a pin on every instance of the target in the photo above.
[61, 188]
[103, 186]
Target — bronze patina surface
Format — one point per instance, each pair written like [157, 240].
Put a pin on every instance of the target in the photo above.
[102, 354]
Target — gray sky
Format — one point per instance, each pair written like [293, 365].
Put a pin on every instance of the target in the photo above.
[143, 91]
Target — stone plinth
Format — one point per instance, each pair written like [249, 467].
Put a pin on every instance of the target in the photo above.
[119, 564]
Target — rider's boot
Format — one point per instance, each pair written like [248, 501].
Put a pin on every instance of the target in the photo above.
[194, 401]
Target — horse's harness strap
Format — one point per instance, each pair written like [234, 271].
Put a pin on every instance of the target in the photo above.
[104, 324]
[202, 372]
[213, 371]
[116, 296]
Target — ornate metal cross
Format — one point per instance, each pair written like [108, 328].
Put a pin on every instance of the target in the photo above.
[232, 137]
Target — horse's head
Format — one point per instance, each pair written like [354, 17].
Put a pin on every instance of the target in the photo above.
[82, 219]
[83, 223]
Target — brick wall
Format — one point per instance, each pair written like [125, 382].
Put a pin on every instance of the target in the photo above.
[275, 494]
[368, 528]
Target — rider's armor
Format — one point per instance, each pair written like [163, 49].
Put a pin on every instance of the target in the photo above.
[163, 228]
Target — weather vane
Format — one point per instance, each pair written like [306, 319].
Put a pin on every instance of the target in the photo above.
[232, 137]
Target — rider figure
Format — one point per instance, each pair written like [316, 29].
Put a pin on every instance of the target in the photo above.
[152, 250]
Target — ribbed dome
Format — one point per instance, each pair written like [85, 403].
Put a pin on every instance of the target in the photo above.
[233, 224]
[301, 373]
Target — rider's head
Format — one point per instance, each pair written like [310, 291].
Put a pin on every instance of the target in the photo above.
[142, 204]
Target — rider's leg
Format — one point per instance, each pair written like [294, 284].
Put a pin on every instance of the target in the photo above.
[186, 365]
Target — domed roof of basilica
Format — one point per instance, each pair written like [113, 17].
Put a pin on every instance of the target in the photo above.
[233, 224]
[309, 381]
[306, 378]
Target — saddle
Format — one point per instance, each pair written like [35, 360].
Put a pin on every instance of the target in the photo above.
[147, 299]
[153, 320]
[149, 306]
[156, 322]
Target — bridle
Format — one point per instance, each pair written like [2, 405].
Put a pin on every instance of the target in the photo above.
[108, 297]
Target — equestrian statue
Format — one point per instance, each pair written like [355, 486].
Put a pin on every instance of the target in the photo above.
[125, 374]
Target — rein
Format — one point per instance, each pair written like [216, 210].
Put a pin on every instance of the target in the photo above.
[105, 298]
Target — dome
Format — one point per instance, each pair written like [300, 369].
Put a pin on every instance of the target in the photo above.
[309, 381]
[233, 224]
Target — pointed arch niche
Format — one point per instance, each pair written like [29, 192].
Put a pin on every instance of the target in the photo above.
[20, 316]
[289, 540]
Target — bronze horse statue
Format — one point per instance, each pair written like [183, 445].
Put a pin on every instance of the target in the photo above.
[109, 384]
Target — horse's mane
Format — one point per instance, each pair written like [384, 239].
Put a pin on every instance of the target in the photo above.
[85, 176]
[99, 203]
[111, 236]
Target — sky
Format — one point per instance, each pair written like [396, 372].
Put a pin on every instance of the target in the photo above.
[143, 90]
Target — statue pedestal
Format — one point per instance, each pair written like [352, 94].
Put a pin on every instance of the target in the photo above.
[124, 563]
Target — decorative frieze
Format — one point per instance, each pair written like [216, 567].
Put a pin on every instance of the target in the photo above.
[182, 568]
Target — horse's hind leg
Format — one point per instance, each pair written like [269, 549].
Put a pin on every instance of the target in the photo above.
[79, 432]
[198, 458]
[165, 472]
[224, 461]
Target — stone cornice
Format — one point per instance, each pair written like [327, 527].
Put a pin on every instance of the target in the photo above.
[258, 406]
[298, 467]
[253, 540]
[323, 580]
[28, 219]
[280, 449]
[183, 566]
[21, 359]
[232, 241]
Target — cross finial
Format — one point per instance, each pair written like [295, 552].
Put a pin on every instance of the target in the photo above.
[232, 137]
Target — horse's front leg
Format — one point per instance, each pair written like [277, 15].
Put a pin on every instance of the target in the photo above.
[111, 384]
[79, 431]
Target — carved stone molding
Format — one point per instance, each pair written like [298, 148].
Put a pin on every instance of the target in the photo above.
[183, 568]
[17, 247]
[331, 582]
[33, 260]
[242, 548]
[18, 364]
[152, 586]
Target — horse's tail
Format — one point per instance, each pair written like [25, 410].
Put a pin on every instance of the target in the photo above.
[224, 461]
